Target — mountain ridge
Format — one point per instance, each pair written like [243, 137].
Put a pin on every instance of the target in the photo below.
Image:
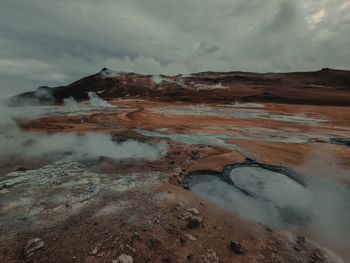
[323, 87]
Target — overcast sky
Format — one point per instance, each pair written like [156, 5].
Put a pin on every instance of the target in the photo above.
[44, 42]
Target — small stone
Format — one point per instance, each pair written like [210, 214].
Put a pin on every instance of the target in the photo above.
[193, 211]
[236, 247]
[178, 204]
[190, 237]
[318, 255]
[210, 257]
[21, 169]
[194, 221]
[136, 236]
[131, 249]
[96, 249]
[296, 248]
[123, 258]
[32, 246]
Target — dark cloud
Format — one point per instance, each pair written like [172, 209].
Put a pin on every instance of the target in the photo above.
[54, 42]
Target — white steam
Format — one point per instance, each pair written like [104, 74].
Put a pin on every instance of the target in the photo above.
[107, 73]
[321, 208]
[157, 79]
[16, 142]
[94, 103]
[97, 102]
[72, 105]
[74, 146]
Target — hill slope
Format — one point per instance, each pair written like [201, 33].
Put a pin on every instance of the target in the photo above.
[324, 87]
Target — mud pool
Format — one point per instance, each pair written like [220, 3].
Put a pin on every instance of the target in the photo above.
[267, 194]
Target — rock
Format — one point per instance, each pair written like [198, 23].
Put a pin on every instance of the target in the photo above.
[178, 204]
[318, 256]
[136, 236]
[96, 249]
[153, 243]
[190, 237]
[210, 257]
[296, 248]
[21, 169]
[123, 258]
[130, 249]
[193, 211]
[236, 247]
[32, 246]
[194, 221]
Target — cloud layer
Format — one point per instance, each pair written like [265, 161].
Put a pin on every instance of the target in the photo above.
[54, 42]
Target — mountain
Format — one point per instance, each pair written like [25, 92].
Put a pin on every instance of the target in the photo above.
[324, 87]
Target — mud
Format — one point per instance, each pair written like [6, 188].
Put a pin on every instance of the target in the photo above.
[76, 204]
[265, 193]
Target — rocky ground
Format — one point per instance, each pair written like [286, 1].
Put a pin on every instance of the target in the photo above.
[109, 209]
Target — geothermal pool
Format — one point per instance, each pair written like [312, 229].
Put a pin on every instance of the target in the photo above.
[261, 193]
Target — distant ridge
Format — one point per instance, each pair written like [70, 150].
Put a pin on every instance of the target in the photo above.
[323, 87]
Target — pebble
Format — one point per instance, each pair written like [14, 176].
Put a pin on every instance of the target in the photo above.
[32, 246]
[318, 255]
[96, 249]
[190, 237]
[194, 221]
[193, 211]
[236, 247]
[123, 258]
[210, 257]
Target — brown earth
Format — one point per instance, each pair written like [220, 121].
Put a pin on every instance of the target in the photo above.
[324, 87]
[149, 221]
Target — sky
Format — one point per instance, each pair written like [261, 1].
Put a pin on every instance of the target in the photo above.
[50, 42]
